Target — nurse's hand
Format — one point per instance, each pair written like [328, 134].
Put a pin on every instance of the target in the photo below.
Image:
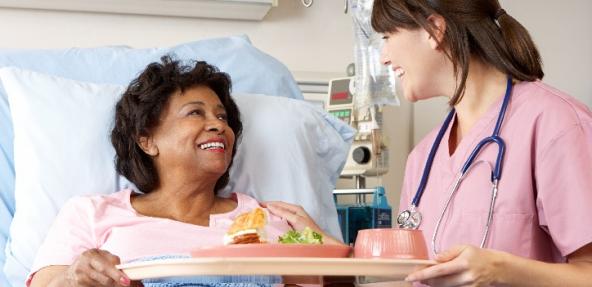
[298, 218]
[461, 266]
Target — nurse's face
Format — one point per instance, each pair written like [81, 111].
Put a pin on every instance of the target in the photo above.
[421, 66]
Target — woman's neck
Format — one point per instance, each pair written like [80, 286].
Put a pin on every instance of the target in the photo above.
[191, 202]
[484, 86]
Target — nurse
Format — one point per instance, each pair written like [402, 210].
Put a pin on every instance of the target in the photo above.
[535, 224]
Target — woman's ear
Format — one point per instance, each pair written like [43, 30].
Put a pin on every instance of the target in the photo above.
[438, 24]
[148, 146]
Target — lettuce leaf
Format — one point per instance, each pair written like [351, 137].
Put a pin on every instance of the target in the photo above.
[307, 236]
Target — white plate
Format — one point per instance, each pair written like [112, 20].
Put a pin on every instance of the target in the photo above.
[272, 266]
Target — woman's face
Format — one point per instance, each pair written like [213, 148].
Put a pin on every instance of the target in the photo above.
[193, 136]
[417, 61]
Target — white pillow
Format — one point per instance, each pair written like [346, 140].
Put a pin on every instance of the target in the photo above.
[290, 151]
[61, 129]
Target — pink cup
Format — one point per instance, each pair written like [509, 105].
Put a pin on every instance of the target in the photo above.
[390, 243]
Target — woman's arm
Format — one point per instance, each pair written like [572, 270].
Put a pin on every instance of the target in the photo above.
[471, 266]
[94, 267]
[50, 276]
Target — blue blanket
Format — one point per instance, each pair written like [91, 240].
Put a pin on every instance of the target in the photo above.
[207, 281]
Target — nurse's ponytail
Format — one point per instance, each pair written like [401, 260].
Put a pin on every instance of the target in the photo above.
[475, 28]
[526, 60]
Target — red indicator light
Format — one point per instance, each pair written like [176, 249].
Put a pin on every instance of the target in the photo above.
[339, 96]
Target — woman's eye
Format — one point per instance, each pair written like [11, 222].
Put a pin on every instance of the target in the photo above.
[385, 37]
[195, 112]
[223, 117]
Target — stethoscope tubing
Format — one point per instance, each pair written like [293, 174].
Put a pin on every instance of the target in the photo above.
[457, 181]
[495, 138]
[430, 160]
[495, 174]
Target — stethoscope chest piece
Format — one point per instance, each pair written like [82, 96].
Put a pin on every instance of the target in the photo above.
[409, 219]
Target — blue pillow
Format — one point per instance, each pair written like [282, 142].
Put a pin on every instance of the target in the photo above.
[251, 70]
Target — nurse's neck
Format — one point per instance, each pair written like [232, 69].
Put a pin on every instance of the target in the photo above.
[485, 86]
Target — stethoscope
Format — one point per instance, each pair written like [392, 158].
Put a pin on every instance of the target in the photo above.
[411, 218]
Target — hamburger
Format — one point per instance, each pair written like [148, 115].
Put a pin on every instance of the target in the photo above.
[247, 228]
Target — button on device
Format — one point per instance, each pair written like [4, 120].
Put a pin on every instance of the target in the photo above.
[361, 155]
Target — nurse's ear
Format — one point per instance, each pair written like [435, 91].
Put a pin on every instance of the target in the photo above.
[436, 37]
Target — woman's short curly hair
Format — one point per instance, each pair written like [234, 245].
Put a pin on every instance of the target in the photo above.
[140, 108]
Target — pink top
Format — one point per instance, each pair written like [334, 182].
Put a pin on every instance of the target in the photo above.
[545, 191]
[109, 222]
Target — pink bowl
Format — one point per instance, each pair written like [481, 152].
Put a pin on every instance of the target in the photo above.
[390, 243]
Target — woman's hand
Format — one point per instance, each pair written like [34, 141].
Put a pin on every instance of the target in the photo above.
[297, 218]
[294, 214]
[462, 266]
[96, 267]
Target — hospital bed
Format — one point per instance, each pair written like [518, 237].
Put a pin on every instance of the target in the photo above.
[290, 151]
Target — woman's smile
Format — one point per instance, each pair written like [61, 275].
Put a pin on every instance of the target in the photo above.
[213, 145]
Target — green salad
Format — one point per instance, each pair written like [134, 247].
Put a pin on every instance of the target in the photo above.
[307, 236]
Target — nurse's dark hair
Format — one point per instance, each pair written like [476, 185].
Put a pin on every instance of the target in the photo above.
[140, 108]
[473, 28]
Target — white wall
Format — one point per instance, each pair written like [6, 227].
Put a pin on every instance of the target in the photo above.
[314, 39]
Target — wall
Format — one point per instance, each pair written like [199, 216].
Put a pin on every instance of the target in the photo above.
[314, 39]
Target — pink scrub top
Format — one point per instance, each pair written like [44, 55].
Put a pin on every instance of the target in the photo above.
[544, 205]
[109, 222]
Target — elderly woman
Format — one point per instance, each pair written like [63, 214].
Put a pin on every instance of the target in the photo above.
[175, 138]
